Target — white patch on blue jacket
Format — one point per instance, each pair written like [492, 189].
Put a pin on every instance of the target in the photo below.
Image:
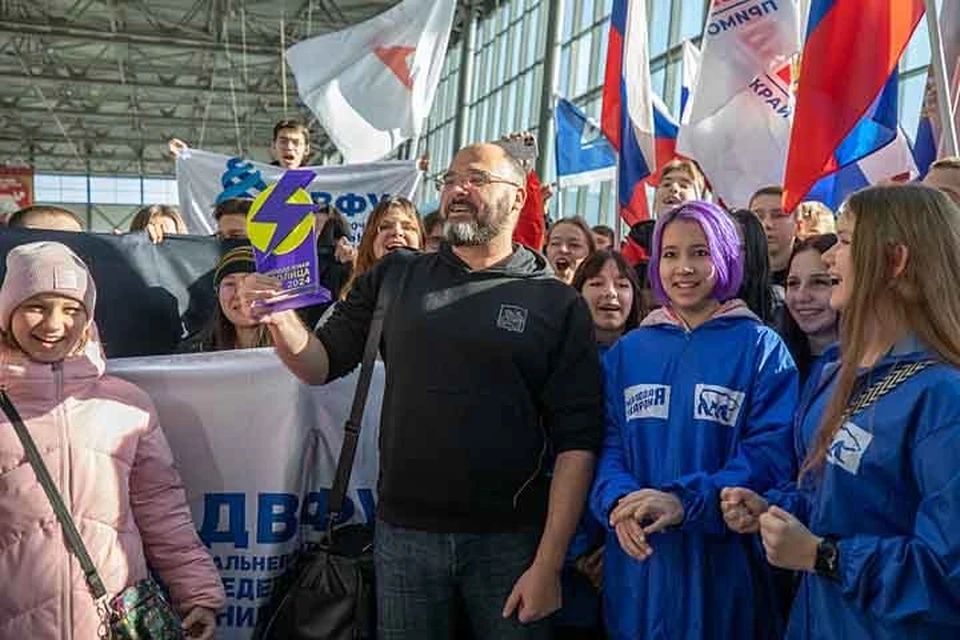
[848, 446]
[717, 404]
[647, 401]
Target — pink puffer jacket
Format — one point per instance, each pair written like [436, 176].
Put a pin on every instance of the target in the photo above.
[100, 439]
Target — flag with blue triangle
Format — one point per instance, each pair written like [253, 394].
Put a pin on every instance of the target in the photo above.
[584, 155]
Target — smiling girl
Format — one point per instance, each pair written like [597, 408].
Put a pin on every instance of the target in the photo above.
[100, 439]
[811, 325]
[702, 392]
[609, 285]
[569, 242]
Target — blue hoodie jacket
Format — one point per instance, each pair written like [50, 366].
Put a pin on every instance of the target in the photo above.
[691, 412]
[890, 493]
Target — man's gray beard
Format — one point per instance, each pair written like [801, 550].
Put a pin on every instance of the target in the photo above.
[475, 233]
[469, 234]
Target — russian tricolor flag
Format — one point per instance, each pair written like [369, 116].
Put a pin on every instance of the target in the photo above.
[627, 113]
[665, 130]
[846, 103]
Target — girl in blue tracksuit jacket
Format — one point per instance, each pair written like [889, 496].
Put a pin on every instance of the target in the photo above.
[875, 523]
[700, 397]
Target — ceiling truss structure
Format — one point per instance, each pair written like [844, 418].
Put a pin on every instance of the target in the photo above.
[100, 86]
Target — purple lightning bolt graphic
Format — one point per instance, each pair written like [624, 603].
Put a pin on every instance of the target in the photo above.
[276, 210]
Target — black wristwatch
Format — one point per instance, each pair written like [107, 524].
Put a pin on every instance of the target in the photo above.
[828, 559]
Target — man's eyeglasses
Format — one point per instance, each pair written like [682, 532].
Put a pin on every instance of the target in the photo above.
[473, 179]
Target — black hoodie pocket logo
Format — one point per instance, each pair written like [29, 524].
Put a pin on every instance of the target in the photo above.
[512, 318]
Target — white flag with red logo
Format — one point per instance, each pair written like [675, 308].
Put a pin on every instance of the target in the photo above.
[372, 85]
[741, 109]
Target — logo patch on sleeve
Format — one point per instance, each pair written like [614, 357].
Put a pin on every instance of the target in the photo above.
[848, 446]
[647, 401]
[717, 404]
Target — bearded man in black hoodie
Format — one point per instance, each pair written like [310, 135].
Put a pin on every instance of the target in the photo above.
[468, 510]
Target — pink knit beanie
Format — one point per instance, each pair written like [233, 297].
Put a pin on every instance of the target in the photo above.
[44, 267]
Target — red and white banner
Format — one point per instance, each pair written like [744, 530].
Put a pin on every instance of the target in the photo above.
[372, 85]
[16, 189]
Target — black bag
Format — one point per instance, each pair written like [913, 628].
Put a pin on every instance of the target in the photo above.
[329, 593]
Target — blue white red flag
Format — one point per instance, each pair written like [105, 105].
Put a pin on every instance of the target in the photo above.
[846, 103]
[627, 114]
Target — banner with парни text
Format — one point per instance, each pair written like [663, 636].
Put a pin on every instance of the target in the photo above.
[241, 428]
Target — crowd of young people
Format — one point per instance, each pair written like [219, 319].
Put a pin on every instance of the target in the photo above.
[574, 445]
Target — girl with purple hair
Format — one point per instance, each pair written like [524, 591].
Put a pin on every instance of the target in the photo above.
[700, 394]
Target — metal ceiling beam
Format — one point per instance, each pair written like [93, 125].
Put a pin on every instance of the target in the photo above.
[266, 123]
[107, 82]
[100, 141]
[138, 39]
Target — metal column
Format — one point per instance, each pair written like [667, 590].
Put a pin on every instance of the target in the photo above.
[465, 76]
[551, 78]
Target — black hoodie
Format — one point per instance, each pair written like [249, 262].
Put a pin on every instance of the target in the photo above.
[486, 370]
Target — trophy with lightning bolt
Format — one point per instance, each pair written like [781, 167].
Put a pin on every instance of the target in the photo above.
[281, 226]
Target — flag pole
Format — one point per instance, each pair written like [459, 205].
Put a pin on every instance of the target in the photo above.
[944, 99]
[618, 218]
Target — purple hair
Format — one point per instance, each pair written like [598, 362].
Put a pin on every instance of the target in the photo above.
[723, 240]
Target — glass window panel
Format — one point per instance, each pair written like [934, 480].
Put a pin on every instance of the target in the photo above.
[503, 64]
[659, 23]
[526, 100]
[657, 80]
[603, 37]
[495, 130]
[46, 188]
[160, 191]
[128, 192]
[586, 13]
[482, 121]
[603, 9]
[73, 188]
[691, 19]
[512, 122]
[567, 31]
[917, 53]
[530, 35]
[911, 100]
[535, 96]
[597, 59]
[563, 86]
[517, 48]
[582, 72]
[103, 190]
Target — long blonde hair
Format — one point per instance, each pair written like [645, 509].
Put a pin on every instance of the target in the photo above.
[924, 297]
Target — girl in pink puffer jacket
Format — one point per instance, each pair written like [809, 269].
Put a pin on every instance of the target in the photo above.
[100, 439]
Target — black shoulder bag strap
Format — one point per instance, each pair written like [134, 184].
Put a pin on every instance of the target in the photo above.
[74, 541]
[351, 436]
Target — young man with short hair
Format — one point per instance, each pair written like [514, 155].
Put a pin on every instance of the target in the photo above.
[780, 228]
[680, 181]
[290, 147]
[231, 217]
